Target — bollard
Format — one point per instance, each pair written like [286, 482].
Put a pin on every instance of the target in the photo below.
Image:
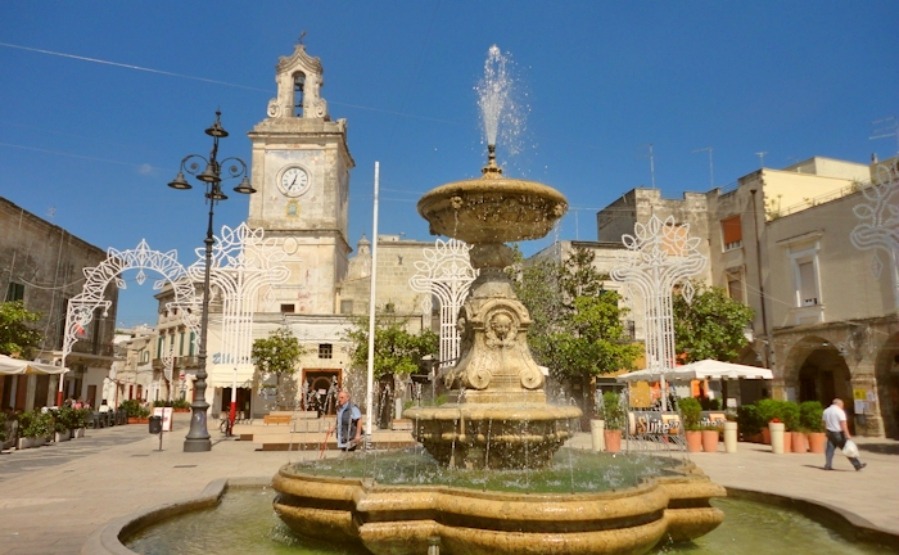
[777, 437]
[730, 437]
[597, 434]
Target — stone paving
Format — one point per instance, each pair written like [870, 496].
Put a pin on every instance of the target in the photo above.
[53, 498]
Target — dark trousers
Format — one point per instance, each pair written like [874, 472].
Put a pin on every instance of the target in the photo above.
[836, 440]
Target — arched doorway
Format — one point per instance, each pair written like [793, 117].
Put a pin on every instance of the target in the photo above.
[887, 372]
[817, 371]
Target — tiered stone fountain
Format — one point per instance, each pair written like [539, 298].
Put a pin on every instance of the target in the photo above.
[499, 420]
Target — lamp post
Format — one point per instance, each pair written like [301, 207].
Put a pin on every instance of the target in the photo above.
[198, 436]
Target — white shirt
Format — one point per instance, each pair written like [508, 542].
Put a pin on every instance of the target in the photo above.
[833, 416]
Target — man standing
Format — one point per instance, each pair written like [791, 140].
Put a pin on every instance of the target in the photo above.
[349, 423]
[837, 434]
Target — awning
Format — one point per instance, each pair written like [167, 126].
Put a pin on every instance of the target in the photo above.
[225, 375]
[701, 370]
[13, 366]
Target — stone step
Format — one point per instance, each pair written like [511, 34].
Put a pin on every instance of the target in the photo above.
[286, 441]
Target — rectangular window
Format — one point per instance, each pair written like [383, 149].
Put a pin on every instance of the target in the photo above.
[287, 309]
[732, 233]
[15, 292]
[325, 350]
[808, 288]
[159, 345]
[735, 286]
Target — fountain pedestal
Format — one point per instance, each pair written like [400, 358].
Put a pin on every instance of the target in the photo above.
[500, 418]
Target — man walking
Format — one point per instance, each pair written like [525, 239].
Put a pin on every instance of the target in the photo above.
[837, 434]
[348, 424]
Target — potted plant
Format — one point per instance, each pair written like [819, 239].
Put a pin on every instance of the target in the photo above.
[82, 419]
[750, 423]
[691, 413]
[710, 435]
[35, 428]
[64, 421]
[768, 410]
[6, 429]
[789, 411]
[613, 415]
[135, 413]
[811, 418]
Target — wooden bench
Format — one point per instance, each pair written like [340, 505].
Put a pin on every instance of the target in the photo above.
[276, 419]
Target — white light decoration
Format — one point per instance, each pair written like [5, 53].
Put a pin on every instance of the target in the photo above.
[168, 365]
[662, 255]
[243, 262]
[81, 307]
[879, 227]
[447, 274]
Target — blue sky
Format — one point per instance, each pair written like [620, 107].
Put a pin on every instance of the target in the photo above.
[99, 101]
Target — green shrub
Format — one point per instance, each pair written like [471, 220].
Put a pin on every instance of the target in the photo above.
[749, 420]
[181, 404]
[691, 413]
[131, 407]
[4, 427]
[35, 424]
[768, 410]
[65, 418]
[811, 414]
[789, 414]
[83, 417]
[611, 411]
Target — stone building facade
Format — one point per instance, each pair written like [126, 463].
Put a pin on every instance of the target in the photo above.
[825, 317]
[42, 266]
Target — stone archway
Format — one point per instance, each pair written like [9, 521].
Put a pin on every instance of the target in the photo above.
[887, 373]
[816, 371]
[81, 308]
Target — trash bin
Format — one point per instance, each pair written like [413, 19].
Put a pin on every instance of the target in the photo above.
[155, 424]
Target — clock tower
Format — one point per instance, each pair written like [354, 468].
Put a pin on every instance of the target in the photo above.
[301, 169]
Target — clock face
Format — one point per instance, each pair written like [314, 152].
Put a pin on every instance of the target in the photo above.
[294, 181]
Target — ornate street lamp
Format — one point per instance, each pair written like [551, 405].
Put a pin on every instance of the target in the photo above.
[198, 436]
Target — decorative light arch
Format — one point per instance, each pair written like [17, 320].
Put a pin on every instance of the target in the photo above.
[879, 227]
[81, 308]
[663, 256]
[447, 274]
[243, 262]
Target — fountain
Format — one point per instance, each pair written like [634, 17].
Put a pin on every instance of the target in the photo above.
[499, 417]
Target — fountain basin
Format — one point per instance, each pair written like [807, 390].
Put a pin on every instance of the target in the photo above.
[492, 209]
[403, 519]
[472, 435]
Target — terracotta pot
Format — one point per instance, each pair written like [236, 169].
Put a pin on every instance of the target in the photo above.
[788, 442]
[710, 441]
[766, 436]
[612, 440]
[694, 441]
[800, 443]
[817, 442]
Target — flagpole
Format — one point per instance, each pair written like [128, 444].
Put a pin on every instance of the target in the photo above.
[369, 400]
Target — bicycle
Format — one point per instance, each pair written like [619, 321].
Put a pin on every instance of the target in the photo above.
[226, 427]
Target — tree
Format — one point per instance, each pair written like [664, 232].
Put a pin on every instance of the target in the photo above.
[577, 331]
[711, 326]
[396, 350]
[279, 354]
[17, 336]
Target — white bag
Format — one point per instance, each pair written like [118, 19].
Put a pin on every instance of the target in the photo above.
[850, 449]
